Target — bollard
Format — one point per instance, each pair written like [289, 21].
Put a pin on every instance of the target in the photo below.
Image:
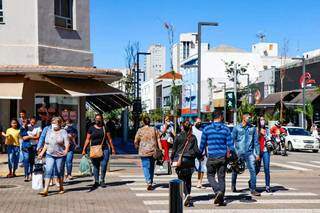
[176, 196]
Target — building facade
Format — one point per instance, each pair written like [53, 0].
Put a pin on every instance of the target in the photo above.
[155, 62]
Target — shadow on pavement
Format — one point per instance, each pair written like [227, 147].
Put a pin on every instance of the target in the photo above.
[118, 183]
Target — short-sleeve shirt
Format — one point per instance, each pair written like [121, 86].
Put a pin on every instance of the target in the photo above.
[12, 137]
[146, 138]
[97, 135]
[56, 142]
[33, 131]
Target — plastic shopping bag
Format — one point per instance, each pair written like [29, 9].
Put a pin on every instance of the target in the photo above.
[85, 166]
[37, 181]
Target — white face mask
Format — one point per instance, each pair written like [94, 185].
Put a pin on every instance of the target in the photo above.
[55, 126]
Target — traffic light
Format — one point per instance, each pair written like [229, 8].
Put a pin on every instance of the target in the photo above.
[230, 100]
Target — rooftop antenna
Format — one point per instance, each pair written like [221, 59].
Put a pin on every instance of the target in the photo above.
[261, 36]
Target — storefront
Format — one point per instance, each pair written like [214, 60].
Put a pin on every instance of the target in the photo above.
[45, 91]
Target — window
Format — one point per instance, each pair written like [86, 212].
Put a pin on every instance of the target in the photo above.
[1, 12]
[63, 13]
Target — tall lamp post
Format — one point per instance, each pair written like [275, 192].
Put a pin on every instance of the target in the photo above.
[303, 60]
[200, 24]
[224, 95]
[137, 106]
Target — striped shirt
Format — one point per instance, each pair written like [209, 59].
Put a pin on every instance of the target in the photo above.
[217, 138]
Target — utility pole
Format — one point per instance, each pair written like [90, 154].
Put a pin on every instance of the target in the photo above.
[303, 85]
[224, 105]
[200, 24]
[235, 73]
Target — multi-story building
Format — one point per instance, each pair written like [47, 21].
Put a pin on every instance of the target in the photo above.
[155, 62]
[46, 64]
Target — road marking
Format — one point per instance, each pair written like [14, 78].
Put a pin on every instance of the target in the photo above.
[305, 164]
[205, 183]
[242, 211]
[317, 162]
[266, 201]
[175, 176]
[289, 166]
[193, 179]
[231, 194]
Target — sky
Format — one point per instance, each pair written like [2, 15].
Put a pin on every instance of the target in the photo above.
[116, 22]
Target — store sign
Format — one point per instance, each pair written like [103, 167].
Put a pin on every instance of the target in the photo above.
[307, 80]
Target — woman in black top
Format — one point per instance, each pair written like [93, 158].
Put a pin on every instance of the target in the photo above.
[189, 141]
[95, 136]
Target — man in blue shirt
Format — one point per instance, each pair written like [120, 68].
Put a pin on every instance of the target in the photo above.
[217, 138]
[245, 137]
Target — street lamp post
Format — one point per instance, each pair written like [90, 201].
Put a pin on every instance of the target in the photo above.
[200, 24]
[137, 102]
[303, 60]
[224, 95]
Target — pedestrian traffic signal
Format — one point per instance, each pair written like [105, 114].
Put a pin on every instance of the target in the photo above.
[230, 100]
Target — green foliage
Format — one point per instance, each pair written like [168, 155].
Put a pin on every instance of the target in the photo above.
[232, 67]
[156, 115]
[246, 107]
[309, 110]
[113, 114]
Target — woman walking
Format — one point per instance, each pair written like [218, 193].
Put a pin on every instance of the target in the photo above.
[12, 136]
[98, 137]
[167, 134]
[264, 152]
[72, 134]
[147, 140]
[185, 151]
[56, 148]
[26, 149]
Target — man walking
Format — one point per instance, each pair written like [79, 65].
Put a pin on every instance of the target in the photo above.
[217, 138]
[245, 137]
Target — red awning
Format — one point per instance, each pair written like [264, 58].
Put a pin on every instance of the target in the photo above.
[171, 75]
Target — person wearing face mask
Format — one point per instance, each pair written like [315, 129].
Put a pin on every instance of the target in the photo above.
[99, 134]
[200, 165]
[264, 152]
[56, 148]
[245, 137]
[186, 146]
[72, 134]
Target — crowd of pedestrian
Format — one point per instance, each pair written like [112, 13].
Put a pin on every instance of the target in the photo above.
[210, 149]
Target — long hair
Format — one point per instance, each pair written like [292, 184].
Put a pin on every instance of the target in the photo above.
[259, 124]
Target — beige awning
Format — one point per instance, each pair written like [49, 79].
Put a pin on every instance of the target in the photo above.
[83, 87]
[11, 87]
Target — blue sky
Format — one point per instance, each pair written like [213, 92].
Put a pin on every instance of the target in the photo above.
[115, 22]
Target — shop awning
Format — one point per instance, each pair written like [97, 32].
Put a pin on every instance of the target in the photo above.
[11, 87]
[272, 99]
[310, 95]
[84, 87]
[107, 103]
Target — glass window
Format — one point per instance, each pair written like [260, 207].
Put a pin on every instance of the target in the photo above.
[1, 12]
[298, 131]
[63, 10]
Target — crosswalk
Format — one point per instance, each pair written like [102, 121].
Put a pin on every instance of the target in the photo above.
[284, 198]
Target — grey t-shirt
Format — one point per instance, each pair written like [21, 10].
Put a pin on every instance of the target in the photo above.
[56, 142]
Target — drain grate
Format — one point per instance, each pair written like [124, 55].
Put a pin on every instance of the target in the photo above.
[8, 186]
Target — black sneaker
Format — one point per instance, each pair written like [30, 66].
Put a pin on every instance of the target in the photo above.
[249, 184]
[187, 201]
[268, 190]
[103, 184]
[255, 193]
[233, 189]
[219, 198]
[94, 186]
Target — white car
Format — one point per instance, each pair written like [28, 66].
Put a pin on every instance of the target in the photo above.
[300, 139]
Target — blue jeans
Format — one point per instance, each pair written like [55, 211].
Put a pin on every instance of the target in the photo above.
[28, 160]
[54, 167]
[69, 161]
[13, 157]
[250, 162]
[265, 157]
[103, 163]
[148, 168]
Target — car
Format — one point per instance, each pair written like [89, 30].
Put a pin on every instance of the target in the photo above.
[300, 139]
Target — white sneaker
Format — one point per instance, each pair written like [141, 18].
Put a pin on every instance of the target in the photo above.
[186, 201]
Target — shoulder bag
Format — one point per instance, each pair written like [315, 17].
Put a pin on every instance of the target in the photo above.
[96, 151]
[158, 153]
[177, 163]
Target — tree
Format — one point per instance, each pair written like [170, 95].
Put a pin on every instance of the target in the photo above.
[309, 110]
[232, 67]
[246, 107]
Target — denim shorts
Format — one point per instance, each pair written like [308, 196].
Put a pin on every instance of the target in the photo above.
[54, 167]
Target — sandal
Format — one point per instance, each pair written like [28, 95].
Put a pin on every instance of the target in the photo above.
[44, 193]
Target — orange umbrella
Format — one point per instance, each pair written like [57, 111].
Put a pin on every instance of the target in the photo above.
[171, 75]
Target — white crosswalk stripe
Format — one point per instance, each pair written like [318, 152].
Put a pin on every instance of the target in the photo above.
[243, 211]
[289, 166]
[284, 194]
[317, 162]
[305, 164]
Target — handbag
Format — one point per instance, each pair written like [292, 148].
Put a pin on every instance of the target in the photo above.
[96, 151]
[158, 155]
[177, 163]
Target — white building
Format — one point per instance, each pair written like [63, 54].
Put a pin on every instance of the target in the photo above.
[155, 62]
[148, 95]
[263, 56]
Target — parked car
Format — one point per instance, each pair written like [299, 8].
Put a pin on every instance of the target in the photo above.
[300, 139]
